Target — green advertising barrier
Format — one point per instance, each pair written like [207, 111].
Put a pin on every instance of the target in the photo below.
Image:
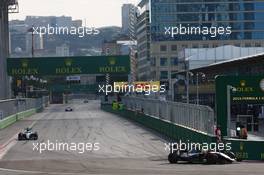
[19, 116]
[171, 130]
[248, 89]
[74, 88]
[42, 66]
[246, 150]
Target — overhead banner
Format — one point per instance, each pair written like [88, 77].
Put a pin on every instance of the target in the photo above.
[42, 66]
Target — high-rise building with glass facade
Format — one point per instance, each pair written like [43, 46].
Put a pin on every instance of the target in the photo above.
[245, 18]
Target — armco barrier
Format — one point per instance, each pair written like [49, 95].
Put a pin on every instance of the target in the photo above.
[246, 150]
[14, 118]
[171, 130]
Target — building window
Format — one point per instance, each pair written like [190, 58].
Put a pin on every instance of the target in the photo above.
[163, 62]
[247, 45]
[174, 61]
[163, 74]
[184, 46]
[163, 48]
[195, 46]
[215, 45]
[153, 61]
[206, 46]
[173, 47]
[237, 45]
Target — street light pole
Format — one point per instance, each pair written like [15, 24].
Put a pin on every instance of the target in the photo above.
[197, 88]
[31, 30]
[32, 40]
[187, 87]
[170, 81]
[228, 109]
[228, 95]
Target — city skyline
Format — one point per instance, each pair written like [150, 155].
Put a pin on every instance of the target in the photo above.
[84, 10]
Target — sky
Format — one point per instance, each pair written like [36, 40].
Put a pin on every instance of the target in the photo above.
[96, 13]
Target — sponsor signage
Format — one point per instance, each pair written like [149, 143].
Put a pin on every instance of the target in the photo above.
[246, 90]
[73, 78]
[68, 65]
[146, 85]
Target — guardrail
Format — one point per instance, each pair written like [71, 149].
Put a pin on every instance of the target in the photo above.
[13, 106]
[193, 116]
[244, 149]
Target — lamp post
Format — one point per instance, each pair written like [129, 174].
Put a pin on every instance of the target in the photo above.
[32, 40]
[188, 74]
[197, 86]
[229, 88]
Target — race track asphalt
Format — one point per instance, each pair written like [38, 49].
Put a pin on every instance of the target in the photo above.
[125, 147]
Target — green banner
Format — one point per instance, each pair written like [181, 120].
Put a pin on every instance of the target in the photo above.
[68, 65]
[246, 89]
[74, 88]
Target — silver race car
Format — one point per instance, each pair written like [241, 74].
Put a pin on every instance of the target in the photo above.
[208, 157]
[68, 109]
[28, 134]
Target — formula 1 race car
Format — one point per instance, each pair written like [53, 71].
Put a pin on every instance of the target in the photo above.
[27, 134]
[85, 101]
[206, 157]
[68, 109]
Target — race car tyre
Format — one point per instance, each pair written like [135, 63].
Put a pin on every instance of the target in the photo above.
[224, 161]
[34, 137]
[173, 158]
[20, 136]
[231, 154]
[212, 159]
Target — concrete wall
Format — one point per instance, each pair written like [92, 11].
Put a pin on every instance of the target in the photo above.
[4, 51]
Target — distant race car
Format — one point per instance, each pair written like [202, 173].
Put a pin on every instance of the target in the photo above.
[207, 157]
[28, 134]
[68, 109]
[85, 101]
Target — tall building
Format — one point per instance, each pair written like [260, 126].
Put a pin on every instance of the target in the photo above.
[133, 47]
[63, 50]
[37, 42]
[158, 19]
[143, 40]
[126, 11]
[54, 21]
[111, 48]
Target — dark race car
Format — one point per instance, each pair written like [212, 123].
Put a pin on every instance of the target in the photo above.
[28, 134]
[68, 109]
[204, 157]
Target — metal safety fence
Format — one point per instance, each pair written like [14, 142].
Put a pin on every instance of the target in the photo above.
[193, 116]
[13, 106]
